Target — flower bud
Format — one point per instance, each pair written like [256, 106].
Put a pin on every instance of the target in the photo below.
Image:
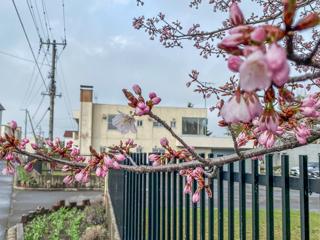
[196, 197]
[156, 100]
[13, 125]
[290, 7]
[68, 180]
[152, 95]
[236, 16]
[258, 35]
[234, 63]
[164, 142]
[308, 21]
[136, 88]
[28, 167]
[120, 157]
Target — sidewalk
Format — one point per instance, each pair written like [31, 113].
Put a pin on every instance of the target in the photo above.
[5, 195]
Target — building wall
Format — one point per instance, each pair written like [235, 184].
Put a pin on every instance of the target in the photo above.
[147, 135]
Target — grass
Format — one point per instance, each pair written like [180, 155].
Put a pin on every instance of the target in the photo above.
[62, 224]
[294, 224]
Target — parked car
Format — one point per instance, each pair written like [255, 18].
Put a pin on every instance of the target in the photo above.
[313, 170]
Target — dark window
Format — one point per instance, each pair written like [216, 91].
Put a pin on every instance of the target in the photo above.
[157, 124]
[173, 124]
[110, 125]
[194, 126]
[139, 123]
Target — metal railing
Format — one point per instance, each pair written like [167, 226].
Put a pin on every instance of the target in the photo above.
[153, 205]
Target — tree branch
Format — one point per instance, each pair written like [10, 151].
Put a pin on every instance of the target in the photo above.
[309, 76]
[190, 150]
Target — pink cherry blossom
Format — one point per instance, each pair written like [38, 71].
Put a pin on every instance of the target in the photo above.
[276, 56]
[9, 170]
[241, 108]
[254, 73]
[236, 15]
[234, 63]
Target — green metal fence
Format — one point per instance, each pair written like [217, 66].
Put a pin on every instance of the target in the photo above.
[153, 206]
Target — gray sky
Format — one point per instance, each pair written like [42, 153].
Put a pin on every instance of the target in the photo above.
[104, 51]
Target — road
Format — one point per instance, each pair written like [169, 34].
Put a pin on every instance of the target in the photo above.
[5, 196]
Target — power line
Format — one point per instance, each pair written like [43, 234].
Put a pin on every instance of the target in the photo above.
[64, 20]
[45, 113]
[39, 17]
[26, 35]
[30, 7]
[46, 18]
[18, 57]
[37, 109]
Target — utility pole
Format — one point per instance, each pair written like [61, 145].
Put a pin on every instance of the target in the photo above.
[52, 88]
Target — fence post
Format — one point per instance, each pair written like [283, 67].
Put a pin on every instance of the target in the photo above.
[255, 199]
[211, 210]
[230, 202]
[242, 199]
[220, 204]
[285, 197]
[269, 193]
[304, 197]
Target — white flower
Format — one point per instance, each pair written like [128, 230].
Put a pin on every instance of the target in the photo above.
[124, 123]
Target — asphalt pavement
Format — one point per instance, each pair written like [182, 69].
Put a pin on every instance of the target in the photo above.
[5, 196]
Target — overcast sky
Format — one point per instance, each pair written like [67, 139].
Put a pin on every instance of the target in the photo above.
[103, 51]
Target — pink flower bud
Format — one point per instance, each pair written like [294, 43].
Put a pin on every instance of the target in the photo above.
[13, 125]
[108, 161]
[79, 176]
[234, 63]
[98, 171]
[116, 165]
[153, 157]
[196, 197]
[187, 189]
[34, 146]
[156, 100]
[65, 168]
[9, 157]
[258, 35]
[236, 16]
[164, 142]
[28, 167]
[120, 157]
[136, 88]
[68, 180]
[139, 111]
[152, 95]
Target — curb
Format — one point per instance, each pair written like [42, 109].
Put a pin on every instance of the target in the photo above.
[57, 189]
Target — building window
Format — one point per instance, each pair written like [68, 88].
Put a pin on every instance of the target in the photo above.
[194, 126]
[139, 123]
[110, 125]
[157, 124]
[173, 124]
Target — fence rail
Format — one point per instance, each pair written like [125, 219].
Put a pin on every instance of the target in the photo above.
[153, 206]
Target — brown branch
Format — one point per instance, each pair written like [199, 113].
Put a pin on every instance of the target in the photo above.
[190, 150]
[235, 144]
[309, 76]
